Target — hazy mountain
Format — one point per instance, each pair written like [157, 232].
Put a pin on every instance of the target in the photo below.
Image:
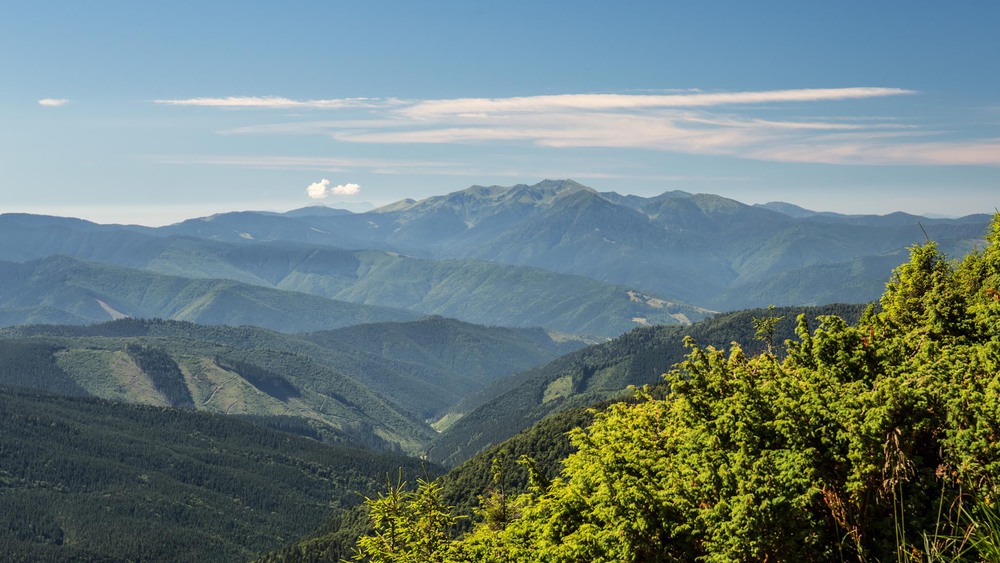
[63, 290]
[317, 211]
[436, 362]
[789, 209]
[696, 248]
[471, 290]
[680, 247]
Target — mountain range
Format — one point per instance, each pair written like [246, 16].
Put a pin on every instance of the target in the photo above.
[556, 254]
[703, 249]
[476, 291]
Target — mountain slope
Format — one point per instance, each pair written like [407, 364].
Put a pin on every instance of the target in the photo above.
[423, 367]
[594, 374]
[471, 290]
[89, 480]
[199, 374]
[65, 290]
[694, 247]
[680, 247]
[691, 247]
[438, 361]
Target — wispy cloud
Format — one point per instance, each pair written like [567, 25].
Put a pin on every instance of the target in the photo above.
[871, 152]
[322, 164]
[738, 124]
[274, 102]
[603, 102]
[53, 102]
[429, 167]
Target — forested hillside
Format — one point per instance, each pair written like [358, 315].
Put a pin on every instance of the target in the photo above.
[547, 443]
[437, 361]
[182, 371]
[598, 373]
[89, 480]
[421, 366]
[866, 441]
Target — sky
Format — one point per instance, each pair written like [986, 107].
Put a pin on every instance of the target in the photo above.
[153, 112]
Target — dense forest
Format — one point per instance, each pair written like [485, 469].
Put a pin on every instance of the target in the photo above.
[83, 479]
[872, 441]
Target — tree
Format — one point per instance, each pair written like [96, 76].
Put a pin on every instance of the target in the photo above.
[409, 526]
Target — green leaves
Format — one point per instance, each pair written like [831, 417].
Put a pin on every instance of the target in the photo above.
[411, 526]
[848, 448]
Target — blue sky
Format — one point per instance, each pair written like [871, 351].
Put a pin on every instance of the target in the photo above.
[153, 112]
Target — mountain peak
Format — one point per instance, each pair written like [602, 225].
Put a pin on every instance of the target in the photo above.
[317, 211]
[543, 192]
[478, 202]
[789, 209]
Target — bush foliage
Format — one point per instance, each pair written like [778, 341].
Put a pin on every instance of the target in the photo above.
[871, 441]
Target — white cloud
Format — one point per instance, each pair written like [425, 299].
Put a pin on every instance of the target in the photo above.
[676, 122]
[602, 102]
[738, 124]
[322, 189]
[345, 189]
[317, 190]
[53, 102]
[273, 102]
[484, 107]
[874, 152]
[324, 164]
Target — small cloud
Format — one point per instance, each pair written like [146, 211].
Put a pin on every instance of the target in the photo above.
[322, 189]
[346, 189]
[53, 102]
[317, 190]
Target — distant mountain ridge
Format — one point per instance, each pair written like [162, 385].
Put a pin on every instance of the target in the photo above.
[679, 247]
[789, 209]
[696, 248]
[472, 290]
[63, 290]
